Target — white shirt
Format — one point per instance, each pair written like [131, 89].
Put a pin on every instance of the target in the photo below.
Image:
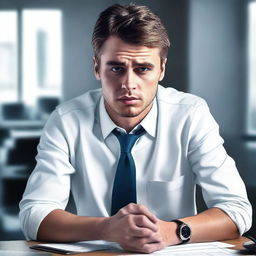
[181, 148]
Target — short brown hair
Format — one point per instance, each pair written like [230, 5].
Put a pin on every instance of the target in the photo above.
[133, 24]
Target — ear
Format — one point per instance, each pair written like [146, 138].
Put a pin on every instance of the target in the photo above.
[162, 69]
[96, 68]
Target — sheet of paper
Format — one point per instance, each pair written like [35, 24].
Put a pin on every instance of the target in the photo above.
[78, 247]
[196, 249]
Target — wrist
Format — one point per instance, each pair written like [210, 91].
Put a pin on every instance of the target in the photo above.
[168, 232]
[102, 228]
[174, 239]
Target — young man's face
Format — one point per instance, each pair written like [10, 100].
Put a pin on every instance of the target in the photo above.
[129, 76]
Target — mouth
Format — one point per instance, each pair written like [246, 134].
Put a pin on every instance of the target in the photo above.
[128, 100]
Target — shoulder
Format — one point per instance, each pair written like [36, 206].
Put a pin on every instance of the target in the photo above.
[84, 102]
[173, 97]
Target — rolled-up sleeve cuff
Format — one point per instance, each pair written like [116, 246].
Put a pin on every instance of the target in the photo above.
[240, 216]
[31, 219]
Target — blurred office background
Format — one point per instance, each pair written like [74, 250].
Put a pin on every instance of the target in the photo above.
[46, 58]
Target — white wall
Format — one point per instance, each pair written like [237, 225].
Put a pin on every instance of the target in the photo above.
[217, 72]
[216, 66]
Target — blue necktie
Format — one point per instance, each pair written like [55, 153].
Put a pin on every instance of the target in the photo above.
[124, 188]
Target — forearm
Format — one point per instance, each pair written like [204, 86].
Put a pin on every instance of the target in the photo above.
[210, 225]
[134, 227]
[62, 226]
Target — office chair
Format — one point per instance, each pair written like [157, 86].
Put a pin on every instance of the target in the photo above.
[14, 111]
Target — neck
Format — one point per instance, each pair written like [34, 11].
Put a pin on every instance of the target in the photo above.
[127, 123]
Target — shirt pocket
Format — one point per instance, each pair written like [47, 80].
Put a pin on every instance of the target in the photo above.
[164, 198]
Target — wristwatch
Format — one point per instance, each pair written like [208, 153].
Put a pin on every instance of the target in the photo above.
[183, 231]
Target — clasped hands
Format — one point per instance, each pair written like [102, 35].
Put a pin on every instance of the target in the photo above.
[136, 229]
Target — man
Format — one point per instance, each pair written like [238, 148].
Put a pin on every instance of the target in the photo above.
[142, 197]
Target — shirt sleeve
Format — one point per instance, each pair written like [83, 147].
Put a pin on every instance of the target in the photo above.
[215, 170]
[48, 187]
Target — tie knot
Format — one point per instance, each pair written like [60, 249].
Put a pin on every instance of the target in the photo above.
[128, 140]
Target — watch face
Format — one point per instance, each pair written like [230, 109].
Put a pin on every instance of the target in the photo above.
[185, 232]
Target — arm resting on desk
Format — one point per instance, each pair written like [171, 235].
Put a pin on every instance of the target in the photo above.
[135, 228]
[211, 225]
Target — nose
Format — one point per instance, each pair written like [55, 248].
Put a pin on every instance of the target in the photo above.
[129, 81]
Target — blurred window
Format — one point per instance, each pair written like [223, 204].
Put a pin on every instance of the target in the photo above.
[37, 35]
[251, 108]
[41, 54]
[8, 56]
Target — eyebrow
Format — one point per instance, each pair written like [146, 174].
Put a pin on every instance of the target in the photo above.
[115, 63]
[118, 63]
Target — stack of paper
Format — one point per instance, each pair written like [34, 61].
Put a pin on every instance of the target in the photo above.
[196, 249]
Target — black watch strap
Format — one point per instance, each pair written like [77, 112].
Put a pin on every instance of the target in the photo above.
[183, 231]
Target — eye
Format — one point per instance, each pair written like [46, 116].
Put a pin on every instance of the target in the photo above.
[143, 69]
[117, 69]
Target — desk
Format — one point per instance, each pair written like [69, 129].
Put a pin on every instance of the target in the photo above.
[23, 246]
[22, 124]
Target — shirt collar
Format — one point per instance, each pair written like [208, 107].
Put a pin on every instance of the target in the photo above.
[148, 123]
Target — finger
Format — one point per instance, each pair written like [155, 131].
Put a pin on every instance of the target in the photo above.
[139, 225]
[141, 245]
[143, 221]
[141, 241]
[149, 240]
[126, 210]
[141, 210]
[152, 247]
[142, 232]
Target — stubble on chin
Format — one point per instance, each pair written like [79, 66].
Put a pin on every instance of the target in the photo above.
[133, 112]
